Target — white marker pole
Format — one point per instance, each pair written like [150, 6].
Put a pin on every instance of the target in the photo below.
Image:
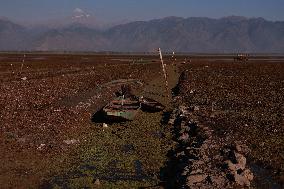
[164, 71]
[22, 64]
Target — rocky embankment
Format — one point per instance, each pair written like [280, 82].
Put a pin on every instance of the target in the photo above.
[201, 159]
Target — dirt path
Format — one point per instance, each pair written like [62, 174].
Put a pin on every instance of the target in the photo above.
[156, 89]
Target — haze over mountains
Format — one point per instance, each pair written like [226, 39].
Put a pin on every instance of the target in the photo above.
[196, 34]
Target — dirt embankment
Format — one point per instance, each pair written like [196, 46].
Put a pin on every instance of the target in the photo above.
[233, 102]
[201, 159]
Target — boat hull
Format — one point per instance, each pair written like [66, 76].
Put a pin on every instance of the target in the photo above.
[150, 105]
[121, 109]
[120, 115]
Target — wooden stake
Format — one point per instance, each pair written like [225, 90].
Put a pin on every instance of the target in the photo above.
[22, 64]
[164, 71]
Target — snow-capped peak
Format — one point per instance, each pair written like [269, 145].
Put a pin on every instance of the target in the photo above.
[79, 13]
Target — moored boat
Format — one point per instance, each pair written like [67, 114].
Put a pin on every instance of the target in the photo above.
[150, 105]
[122, 109]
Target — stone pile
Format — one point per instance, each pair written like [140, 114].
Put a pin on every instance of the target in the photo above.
[204, 160]
[236, 164]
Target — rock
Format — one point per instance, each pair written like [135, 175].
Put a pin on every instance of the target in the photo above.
[191, 153]
[241, 175]
[171, 121]
[196, 108]
[262, 144]
[241, 180]
[105, 125]
[197, 171]
[231, 166]
[194, 179]
[97, 182]
[183, 109]
[218, 181]
[180, 154]
[238, 148]
[205, 146]
[196, 164]
[241, 161]
[205, 158]
[186, 171]
[241, 148]
[184, 137]
[73, 141]
[234, 167]
[248, 174]
[186, 128]
[192, 149]
[24, 78]
[41, 146]
[217, 157]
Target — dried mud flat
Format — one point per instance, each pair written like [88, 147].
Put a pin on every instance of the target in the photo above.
[49, 138]
[240, 102]
[46, 111]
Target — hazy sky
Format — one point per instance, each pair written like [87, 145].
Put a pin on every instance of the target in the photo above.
[32, 10]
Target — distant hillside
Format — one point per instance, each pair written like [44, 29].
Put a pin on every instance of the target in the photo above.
[12, 36]
[230, 34]
[75, 37]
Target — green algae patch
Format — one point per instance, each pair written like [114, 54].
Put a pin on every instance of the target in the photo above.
[123, 155]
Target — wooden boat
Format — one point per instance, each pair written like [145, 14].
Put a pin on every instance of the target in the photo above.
[150, 105]
[122, 109]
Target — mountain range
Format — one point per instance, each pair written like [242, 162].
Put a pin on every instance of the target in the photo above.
[195, 34]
